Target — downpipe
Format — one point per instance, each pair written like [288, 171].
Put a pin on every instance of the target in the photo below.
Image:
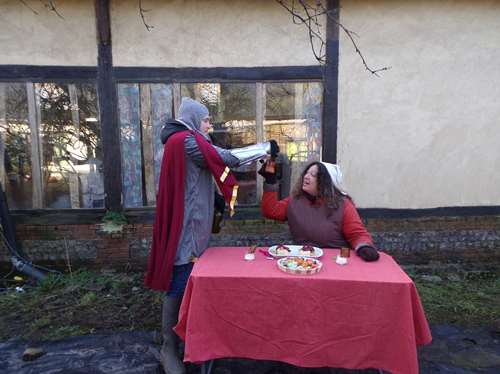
[25, 268]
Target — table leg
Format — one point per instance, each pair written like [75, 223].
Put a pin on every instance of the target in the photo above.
[206, 367]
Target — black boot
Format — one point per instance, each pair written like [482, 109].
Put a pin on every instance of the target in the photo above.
[169, 353]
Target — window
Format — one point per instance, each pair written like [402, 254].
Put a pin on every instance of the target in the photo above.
[50, 145]
[293, 118]
[242, 114]
[232, 107]
[15, 146]
[50, 136]
[143, 110]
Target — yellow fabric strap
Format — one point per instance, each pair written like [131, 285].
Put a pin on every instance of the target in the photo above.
[233, 200]
[224, 174]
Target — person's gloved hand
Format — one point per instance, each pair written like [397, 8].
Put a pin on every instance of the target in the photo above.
[219, 203]
[270, 178]
[275, 148]
[368, 253]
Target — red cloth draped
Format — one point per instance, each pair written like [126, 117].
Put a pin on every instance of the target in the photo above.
[167, 227]
[358, 316]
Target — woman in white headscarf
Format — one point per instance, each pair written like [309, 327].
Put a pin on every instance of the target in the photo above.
[319, 211]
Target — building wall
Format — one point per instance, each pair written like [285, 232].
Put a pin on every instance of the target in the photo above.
[426, 133]
[422, 135]
[45, 38]
[207, 33]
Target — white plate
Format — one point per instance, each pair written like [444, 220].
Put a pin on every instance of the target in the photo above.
[295, 251]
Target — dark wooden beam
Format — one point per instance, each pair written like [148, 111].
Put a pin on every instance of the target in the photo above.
[330, 84]
[262, 73]
[34, 73]
[110, 133]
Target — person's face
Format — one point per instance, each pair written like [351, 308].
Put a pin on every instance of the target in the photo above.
[310, 181]
[205, 125]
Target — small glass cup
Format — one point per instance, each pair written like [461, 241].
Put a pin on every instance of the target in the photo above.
[249, 256]
[345, 252]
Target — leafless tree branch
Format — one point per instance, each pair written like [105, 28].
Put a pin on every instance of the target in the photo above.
[309, 14]
[142, 12]
[28, 6]
[350, 35]
[51, 6]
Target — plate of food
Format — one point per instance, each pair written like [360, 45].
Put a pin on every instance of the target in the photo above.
[300, 265]
[295, 250]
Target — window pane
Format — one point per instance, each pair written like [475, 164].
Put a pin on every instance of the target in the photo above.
[70, 145]
[232, 107]
[293, 119]
[90, 147]
[143, 110]
[130, 140]
[15, 146]
[161, 110]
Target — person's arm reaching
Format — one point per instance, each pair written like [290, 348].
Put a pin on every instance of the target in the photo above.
[356, 234]
[194, 153]
[227, 157]
[270, 206]
[231, 157]
[251, 153]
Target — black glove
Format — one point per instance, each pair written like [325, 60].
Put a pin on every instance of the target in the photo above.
[219, 203]
[269, 177]
[275, 148]
[368, 253]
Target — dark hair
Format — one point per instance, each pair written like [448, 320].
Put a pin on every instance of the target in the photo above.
[327, 191]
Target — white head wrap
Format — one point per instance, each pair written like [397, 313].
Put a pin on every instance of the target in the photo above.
[336, 176]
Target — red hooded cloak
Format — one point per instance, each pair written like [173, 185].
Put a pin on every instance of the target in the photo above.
[170, 204]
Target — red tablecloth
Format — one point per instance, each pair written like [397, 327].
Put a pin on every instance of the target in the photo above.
[361, 315]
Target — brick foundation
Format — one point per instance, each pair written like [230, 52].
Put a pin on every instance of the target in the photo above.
[409, 240]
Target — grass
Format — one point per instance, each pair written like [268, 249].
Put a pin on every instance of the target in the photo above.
[90, 302]
[467, 299]
[84, 302]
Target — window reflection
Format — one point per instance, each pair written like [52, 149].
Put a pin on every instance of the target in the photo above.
[15, 146]
[51, 152]
[143, 110]
[293, 119]
[233, 110]
[70, 145]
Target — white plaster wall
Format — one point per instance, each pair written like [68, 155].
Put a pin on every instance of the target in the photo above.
[208, 33]
[427, 132]
[27, 38]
